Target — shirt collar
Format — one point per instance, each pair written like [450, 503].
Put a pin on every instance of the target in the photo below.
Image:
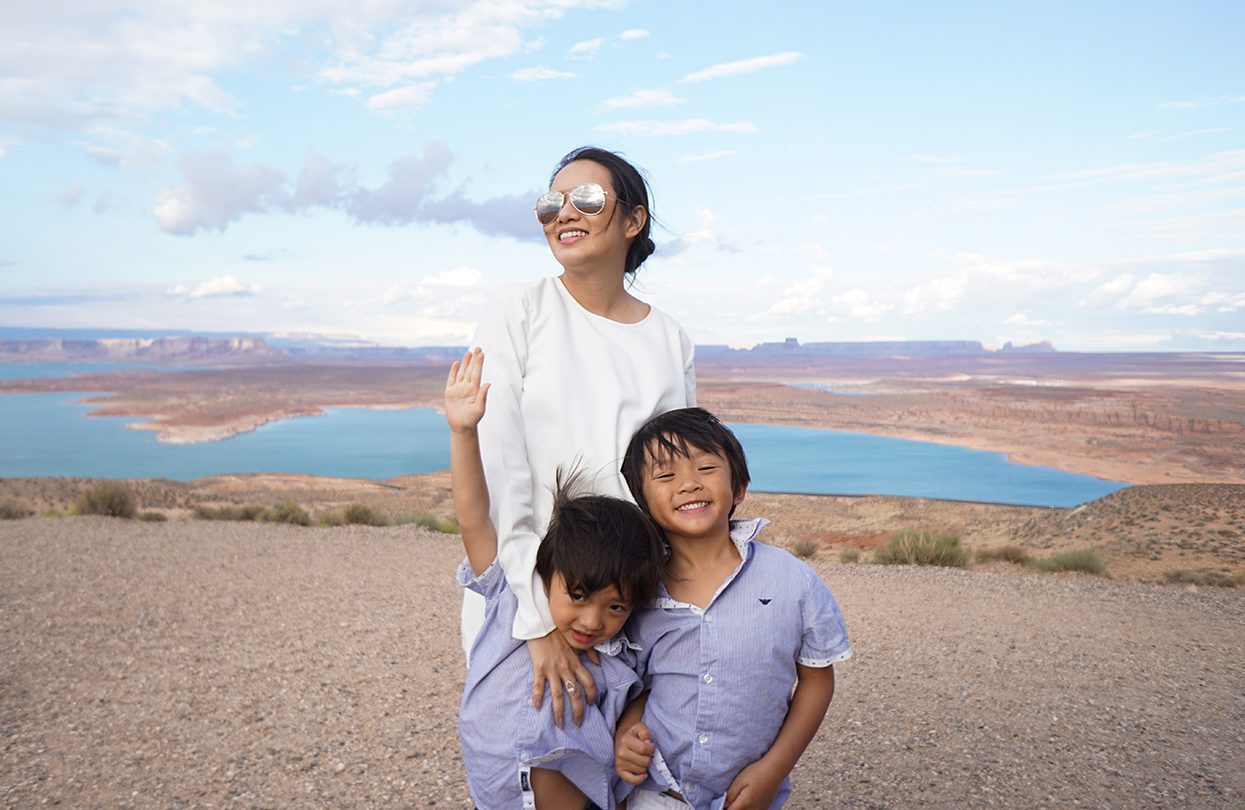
[743, 532]
[615, 645]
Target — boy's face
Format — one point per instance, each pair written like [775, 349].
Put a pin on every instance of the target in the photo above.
[587, 619]
[690, 497]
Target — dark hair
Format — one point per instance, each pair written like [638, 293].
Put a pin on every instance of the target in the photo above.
[670, 434]
[632, 190]
[595, 541]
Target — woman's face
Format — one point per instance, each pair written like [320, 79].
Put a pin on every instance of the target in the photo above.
[579, 241]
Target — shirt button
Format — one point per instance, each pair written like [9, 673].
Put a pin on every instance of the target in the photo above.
[703, 739]
[709, 619]
[708, 678]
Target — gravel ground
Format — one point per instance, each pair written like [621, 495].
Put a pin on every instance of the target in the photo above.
[194, 664]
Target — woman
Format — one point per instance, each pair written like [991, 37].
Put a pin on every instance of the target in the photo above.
[576, 363]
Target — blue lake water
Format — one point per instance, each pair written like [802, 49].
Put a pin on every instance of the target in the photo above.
[50, 434]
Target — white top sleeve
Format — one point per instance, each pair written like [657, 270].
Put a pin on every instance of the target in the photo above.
[568, 389]
[503, 335]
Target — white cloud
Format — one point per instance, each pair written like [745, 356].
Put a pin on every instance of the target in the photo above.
[221, 287]
[1021, 319]
[685, 127]
[1221, 335]
[77, 63]
[457, 277]
[706, 235]
[858, 304]
[799, 298]
[412, 95]
[937, 295]
[113, 146]
[742, 67]
[1033, 275]
[587, 48]
[634, 33]
[541, 74]
[216, 193]
[660, 97]
[714, 155]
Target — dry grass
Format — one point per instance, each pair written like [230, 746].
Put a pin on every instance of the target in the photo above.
[1085, 560]
[107, 498]
[913, 547]
[1010, 553]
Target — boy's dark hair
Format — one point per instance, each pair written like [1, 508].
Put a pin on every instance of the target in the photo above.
[632, 190]
[595, 541]
[671, 434]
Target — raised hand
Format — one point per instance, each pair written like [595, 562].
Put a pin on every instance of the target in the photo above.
[465, 398]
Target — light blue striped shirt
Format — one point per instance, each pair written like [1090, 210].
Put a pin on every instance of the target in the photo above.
[502, 735]
[721, 678]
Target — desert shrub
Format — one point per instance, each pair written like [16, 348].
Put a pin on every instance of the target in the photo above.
[330, 519]
[243, 513]
[153, 517]
[429, 521]
[362, 515]
[1202, 576]
[1085, 560]
[849, 555]
[289, 512]
[109, 498]
[12, 510]
[805, 549]
[1011, 554]
[912, 547]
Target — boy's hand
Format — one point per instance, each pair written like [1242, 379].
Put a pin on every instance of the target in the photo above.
[754, 787]
[632, 752]
[464, 396]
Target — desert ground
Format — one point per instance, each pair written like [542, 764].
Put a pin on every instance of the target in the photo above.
[195, 663]
[206, 664]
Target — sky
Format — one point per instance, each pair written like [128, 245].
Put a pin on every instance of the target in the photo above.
[824, 170]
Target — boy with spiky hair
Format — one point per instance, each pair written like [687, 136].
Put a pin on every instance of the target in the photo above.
[736, 627]
[599, 557]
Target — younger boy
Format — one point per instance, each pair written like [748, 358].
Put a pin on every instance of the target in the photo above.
[599, 557]
[737, 625]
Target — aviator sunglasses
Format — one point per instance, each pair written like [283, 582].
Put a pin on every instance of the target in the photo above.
[587, 198]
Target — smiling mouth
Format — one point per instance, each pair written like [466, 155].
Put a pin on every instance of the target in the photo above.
[562, 237]
[582, 638]
[688, 507]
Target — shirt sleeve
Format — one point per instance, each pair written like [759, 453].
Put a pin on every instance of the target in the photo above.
[825, 633]
[489, 584]
[502, 334]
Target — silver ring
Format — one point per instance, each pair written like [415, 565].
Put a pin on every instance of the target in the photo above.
[570, 687]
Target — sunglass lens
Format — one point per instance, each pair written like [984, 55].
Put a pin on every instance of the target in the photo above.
[547, 206]
[588, 199]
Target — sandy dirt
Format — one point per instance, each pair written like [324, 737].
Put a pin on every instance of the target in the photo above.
[199, 664]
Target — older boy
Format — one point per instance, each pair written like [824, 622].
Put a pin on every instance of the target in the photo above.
[737, 626]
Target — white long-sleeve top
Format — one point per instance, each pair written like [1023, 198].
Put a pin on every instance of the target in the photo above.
[569, 388]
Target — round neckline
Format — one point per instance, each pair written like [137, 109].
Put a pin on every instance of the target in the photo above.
[567, 293]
